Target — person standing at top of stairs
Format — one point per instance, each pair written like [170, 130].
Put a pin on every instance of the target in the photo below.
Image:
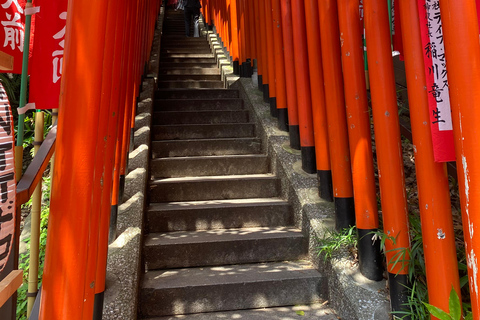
[192, 10]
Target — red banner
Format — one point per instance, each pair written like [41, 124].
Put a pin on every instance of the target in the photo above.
[437, 80]
[12, 19]
[7, 179]
[47, 53]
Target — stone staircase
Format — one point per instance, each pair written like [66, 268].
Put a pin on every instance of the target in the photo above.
[218, 235]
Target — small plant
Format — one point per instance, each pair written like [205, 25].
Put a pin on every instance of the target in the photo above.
[454, 306]
[333, 241]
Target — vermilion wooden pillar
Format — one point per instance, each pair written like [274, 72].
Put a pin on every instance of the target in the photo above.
[433, 186]
[70, 267]
[264, 56]
[389, 148]
[270, 58]
[320, 126]
[462, 49]
[258, 45]
[360, 139]
[282, 112]
[234, 42]
[305, 117]
[290, 81]
[336, 115]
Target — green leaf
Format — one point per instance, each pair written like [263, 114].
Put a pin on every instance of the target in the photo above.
[469, 316]
[437, 312]
[300, 312]
[454, 305]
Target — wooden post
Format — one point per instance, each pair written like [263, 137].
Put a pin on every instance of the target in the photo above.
[281, 99]
[336, 115]
[290, 82]
[462, 49]
[305, 117]
[322, 153]
[389, 149]
[71, 257]
[360, 139]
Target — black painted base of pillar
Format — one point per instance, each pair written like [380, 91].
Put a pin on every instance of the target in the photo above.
[260, 82]
[98, 306]
[325, 186]
[309, 163]
[369, 255]
[344, 213]
[236, 68]
[266, 91]
[398, 291]
[112, 231]
[282, 119]
[246, 70]
[294, 133]
[273, 107]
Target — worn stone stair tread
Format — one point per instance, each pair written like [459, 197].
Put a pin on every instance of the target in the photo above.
[209, 165]
[202, 147]
[218, 214]
[220, 235]
[316, 311]
[219, 275]
[189, 71]
[191, 77]
[268, 176]
[200, 93]
[203, 131]
[195, 105]
[200, 117]
[212, 204]
[214, 187]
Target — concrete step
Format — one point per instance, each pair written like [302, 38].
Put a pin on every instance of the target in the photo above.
[196, 94]
[178, 63]
[316, 311]
[203, 131]
[198, 104]
[200, 117]
[209, 166]
[214, 188]
[190, 77]
[205, 147]
[188, 71]
[186, 55]
[187, 50]
[218, 214]
[190, 84]
[194, 290]
[223, 247]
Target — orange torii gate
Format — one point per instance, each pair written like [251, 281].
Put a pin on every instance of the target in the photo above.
[460, 24]
[105, 53]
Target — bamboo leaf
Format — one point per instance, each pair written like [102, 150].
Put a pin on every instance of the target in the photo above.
[454, 305]
[437, 312]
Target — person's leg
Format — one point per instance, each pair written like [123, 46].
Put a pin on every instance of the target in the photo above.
[196, 17]
[188, 17]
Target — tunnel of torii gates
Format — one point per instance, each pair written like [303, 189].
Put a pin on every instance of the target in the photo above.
[311, 68]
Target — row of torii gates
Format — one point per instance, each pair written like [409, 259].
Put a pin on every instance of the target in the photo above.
[310, 62]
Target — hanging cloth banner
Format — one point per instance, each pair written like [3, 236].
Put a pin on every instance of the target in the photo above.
[437, 81]
[47, 53]
[12, 19]
[7, 180]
